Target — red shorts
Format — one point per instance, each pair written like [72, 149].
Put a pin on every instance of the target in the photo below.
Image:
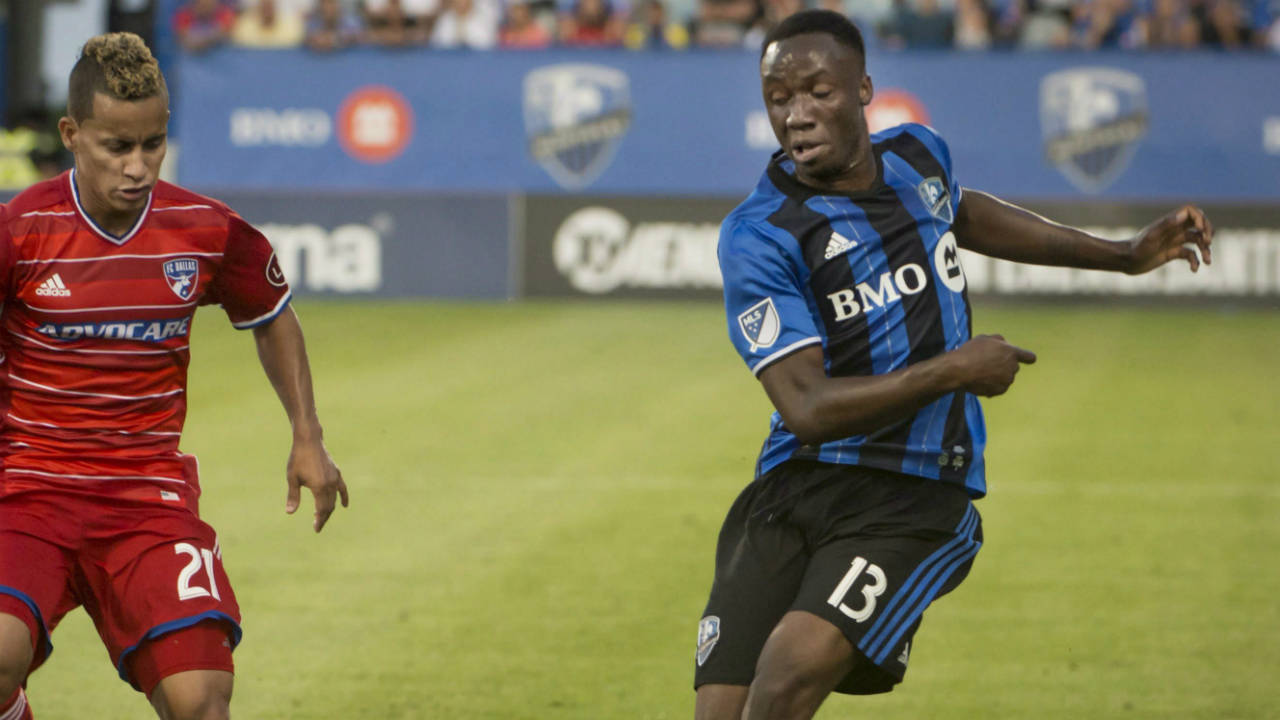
[142, 569]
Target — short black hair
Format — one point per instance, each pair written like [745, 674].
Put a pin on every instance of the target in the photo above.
[817, 21]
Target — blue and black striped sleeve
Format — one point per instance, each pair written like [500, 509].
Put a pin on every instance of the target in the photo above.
[938, 148]
[765, 298]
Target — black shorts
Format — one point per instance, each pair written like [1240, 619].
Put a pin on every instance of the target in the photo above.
[866, 550]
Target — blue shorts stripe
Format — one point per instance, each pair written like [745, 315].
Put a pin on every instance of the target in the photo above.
[918, 610]
[914, 602]
[47, 643]
[179, 624]
[966, 526]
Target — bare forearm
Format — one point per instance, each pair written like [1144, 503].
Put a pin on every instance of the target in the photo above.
[990, 226]
[837, 407]
[283, 354]
[818, 408]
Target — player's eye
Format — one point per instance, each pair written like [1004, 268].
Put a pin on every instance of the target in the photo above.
[822, 92]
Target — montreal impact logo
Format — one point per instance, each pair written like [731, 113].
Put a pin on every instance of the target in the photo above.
[575, 115]
[1092, 120]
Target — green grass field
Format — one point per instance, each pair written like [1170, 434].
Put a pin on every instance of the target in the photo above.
[537, 488]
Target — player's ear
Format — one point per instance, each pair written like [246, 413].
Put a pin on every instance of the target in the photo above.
[67, 129]
[866, 90]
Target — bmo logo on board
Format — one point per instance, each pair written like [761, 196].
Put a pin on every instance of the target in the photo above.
[375, 124]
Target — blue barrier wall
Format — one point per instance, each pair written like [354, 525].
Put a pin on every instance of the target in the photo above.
[1172, 127]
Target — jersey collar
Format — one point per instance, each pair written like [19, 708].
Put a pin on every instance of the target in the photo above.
[102, 232]
[781, 172]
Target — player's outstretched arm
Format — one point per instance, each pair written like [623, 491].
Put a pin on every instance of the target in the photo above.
[994, 227]
[284, 358]
[818, 408]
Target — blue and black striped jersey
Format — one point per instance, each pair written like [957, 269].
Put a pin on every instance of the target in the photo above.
[874, 278]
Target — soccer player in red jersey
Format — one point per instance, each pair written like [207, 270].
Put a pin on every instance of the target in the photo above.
[101, 270]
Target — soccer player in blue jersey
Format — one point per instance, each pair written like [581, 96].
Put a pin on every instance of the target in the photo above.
[846, 298]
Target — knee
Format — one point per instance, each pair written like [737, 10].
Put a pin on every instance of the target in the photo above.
[790, 691]
[15, 660]
[9, 682]
[213, 706]
[193, 700]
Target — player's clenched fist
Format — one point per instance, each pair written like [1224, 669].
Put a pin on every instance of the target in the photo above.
[986, 365]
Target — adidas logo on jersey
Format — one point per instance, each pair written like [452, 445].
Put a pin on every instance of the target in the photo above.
[837, 245]
[53, 287]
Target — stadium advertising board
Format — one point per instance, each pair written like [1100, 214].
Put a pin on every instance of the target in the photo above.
[1056, 125]
[622, 247]
[665, 247]
[385, 245]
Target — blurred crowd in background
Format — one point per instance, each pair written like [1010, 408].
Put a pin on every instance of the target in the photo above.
[330, 25]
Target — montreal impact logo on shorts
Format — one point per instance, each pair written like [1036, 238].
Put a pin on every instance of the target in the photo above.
[181, 274]
[1092, 120]
[575, 115]
[708, 634]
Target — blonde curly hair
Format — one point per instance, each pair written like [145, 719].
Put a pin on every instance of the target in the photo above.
[116, 64]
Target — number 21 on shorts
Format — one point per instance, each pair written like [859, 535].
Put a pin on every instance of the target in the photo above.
[870, 591]
[199, 557]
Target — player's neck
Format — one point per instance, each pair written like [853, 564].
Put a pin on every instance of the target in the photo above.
[859, 176]
[115, 221]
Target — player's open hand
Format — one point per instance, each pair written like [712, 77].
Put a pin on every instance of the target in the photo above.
[310, 466]
[1175, 236]
[987, 364]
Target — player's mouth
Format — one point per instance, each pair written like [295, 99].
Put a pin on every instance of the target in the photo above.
[134, 193]
[804, 152]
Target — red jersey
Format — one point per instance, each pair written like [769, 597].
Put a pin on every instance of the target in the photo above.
[95, 332]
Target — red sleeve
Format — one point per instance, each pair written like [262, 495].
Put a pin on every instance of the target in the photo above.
[249, 284]
[7, 255]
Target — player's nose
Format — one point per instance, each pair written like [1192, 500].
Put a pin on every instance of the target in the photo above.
[135, 168]
[800, 113]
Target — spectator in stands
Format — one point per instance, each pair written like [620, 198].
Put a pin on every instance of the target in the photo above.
[649, 29]
[774, 12]
[869, 14]
[1225, 25]
[467, 24]
[1169, 26]
[268, 24]
[1105, 24]
[972, 25]
[1044, 24]
[135, 16]
[919, 24]
[724, 23]
[591, 24]
[1268, 28]
[333, 26]
[521, 29]
[203, 24]
[399, 23]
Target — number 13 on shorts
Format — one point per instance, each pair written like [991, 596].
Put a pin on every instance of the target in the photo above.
[870, 591]
[200, 558]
